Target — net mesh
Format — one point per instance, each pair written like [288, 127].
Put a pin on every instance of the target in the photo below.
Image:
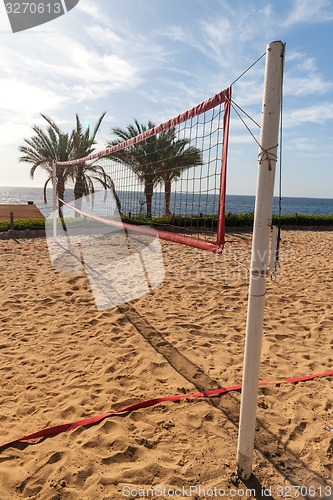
[171, 176]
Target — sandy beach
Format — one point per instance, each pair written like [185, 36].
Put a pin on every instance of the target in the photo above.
[63, 360]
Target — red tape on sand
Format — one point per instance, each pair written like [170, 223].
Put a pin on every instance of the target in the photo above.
[52, 431]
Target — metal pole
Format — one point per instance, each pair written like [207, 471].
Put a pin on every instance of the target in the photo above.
[223, 183]
[54, 184]
[259, 258]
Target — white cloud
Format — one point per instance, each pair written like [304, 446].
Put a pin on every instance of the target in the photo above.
[137, 48]
[224, 40]
[248, 91]
[11, 128]
[23, 97]
[319, 114]
[300, 144]
[301, 147]
[309, 11]
[92, 11]
[303, 77]
[241, 139]
[82, 64]
[64, 69]
[177, 33]
[221, 32]
[300, 86]
[230, 34]
[103, 36]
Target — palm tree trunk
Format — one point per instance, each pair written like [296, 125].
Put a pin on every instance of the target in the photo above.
[167, 195]
[149, 198]
[79, 188]
[60, 193]
[116, 197]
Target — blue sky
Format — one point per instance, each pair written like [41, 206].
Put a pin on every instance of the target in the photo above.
[152, 59]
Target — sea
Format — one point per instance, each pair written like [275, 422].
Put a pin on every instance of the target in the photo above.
[234, 203]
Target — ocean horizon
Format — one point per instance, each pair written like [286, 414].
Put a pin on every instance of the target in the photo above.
[234, 203]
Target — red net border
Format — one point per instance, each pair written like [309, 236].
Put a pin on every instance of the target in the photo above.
[212, 102]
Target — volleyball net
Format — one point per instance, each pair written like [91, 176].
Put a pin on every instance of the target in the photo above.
[171, 176]
[167, 182]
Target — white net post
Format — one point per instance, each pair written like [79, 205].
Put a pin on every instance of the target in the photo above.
[259, 258]
[54, 184]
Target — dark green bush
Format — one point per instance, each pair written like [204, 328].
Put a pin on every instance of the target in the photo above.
[23, 224]
[304, 220]
[232, 220]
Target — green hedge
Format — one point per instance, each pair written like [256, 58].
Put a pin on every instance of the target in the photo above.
[304, 220]
[232, 220]
[23, 224]
[246, 219]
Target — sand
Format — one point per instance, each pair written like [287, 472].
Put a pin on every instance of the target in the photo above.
[63, 360]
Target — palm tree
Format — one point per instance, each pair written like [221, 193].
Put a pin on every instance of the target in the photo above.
[141, 158]
[82, 145]
[159, 159]
[42, 150]
[176, 157]
[85, 175]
